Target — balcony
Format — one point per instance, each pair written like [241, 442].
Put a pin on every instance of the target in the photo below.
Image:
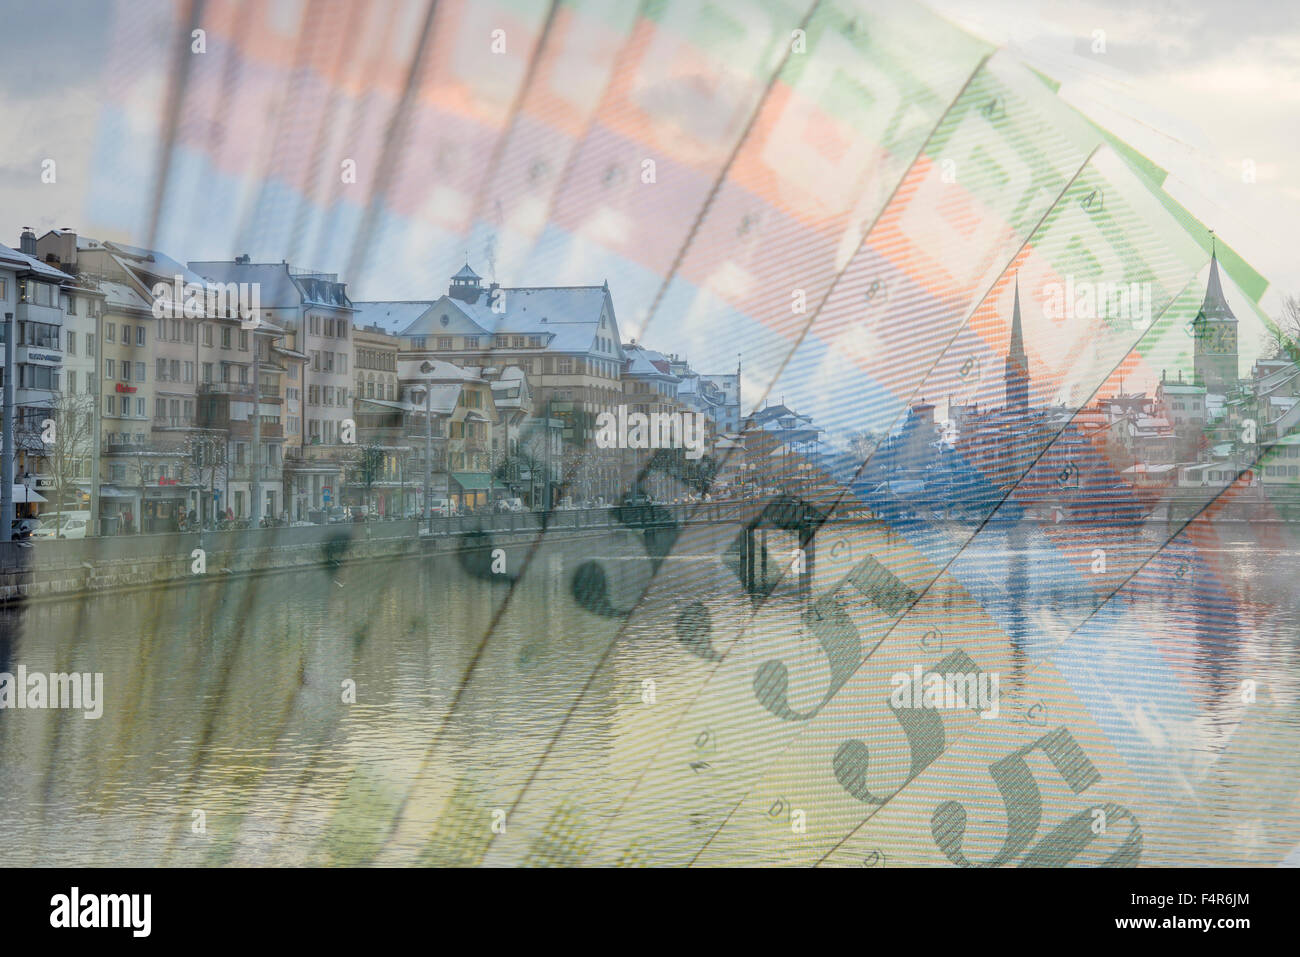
[244, 472]
[227, 388]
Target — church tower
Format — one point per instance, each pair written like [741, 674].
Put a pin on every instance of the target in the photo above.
[1017, 368]
[1214, 330]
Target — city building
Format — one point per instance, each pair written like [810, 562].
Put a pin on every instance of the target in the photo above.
[308, 319]
[32, 292]
[565, 340]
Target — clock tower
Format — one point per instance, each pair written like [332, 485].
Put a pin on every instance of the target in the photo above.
[1215, 333]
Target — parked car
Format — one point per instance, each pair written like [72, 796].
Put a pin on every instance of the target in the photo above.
[336, 514]
[75, 524]
[638, 498]
[24, 528]
[443, 507]
[359, 513]
[510, 505]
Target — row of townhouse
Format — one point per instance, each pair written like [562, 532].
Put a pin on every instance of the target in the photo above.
[237, 389]
[172, 406]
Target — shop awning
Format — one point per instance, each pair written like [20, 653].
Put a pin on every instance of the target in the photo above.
[472, 481]
[24, 494]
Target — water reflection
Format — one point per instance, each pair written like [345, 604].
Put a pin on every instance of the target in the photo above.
[289, 719]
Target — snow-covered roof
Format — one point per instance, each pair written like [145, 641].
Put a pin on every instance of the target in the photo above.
[25, 263]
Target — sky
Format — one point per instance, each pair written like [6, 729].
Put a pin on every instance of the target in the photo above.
[1208, 90]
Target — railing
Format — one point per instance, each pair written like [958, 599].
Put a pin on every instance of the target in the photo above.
[245, 473]
[227, 388]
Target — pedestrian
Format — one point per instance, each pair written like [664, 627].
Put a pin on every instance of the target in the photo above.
[127, 524]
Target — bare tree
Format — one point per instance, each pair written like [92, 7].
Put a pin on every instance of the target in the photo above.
[368, 465]
[205, 455]
[73, 443]
[1284, 341]
[862, 444]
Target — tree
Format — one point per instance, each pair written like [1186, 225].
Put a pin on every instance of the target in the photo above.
[205, 453]
[862, 444]
[513, 466]
[68, 456]
[369, 467]
[1284, 341]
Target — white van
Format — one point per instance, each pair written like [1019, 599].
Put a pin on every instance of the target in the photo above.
[70, 525]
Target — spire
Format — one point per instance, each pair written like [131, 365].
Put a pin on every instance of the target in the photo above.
[1016, 376]
[1215, 305]
[1017, 338]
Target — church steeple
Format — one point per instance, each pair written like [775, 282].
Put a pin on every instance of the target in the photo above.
[1017, 367]
[1215, 305]
[1214, 353]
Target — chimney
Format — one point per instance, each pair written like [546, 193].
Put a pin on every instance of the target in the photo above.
[27, 242]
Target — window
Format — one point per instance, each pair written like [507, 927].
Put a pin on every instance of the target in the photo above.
[160, 408]
[566, 367]
[110, 369]
[139, 372]
[109, 405]
[225, 338]
[189, 371]
[189, 332]
[207, 336]
[71, 305]
[126, 370]
[315, 360]
[72, 381]
[174, 370]
[535, 342]
[343, 362]
[72, 344]
[139, 411]
[243, 340]
[110, 330]
[90, 344]
[417, 342]
[444, 342]
[500, 342]
[207, 372]
[160, 370]
[471, 342]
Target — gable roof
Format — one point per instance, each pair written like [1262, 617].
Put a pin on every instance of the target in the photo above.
[568, 316]
[391, 317]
